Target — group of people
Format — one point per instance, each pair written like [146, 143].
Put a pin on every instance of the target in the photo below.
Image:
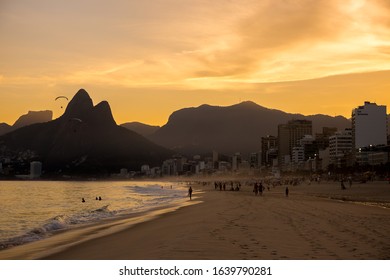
[258, 188]
[97, 198]
[234, 186]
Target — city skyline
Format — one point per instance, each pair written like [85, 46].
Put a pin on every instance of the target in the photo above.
[150, 59]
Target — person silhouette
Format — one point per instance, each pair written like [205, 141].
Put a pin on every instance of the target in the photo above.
[82, 200]
[287, 191]
[190, 193]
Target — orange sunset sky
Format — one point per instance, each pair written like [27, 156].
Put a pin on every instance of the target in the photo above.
[149, 58]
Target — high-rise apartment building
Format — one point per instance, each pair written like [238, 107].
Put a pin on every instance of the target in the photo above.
[288, 136]
[269, 149]
[369, 125]
[340, 146]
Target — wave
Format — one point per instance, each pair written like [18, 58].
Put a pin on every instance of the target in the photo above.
[58, 223]
[136, 198]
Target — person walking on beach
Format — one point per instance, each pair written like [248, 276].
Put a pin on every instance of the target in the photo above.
[256, 188]
[190, 193]
[287, 191]
[342, 184]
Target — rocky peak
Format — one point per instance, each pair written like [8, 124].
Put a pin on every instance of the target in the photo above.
[102, 114]
[80, 105]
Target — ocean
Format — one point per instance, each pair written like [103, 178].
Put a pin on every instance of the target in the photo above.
[34, 210]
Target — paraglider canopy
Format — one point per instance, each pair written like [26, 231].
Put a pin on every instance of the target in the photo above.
[76, 124]
[58, 97]
[61, 97]
[76, 119]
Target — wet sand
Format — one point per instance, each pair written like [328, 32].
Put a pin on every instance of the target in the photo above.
[314, 222]
[317, 221]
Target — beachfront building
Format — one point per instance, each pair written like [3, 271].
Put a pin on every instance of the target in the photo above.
[215, 159]
[236, 160]
[340, 146]
[369, 125]
[269, 150]
[298, 154]
[288, 136]
[324, 156]
[35, 169]
[322, 139]
[145, 169]
[374, 155]
[255, 160]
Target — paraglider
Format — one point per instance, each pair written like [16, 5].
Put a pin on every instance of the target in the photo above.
[61, 97]
[75, 123]
[76, 119]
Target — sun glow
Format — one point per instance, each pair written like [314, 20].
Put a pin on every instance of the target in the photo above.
[140, 52]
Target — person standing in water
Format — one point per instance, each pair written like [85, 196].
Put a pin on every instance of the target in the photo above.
[190, 193]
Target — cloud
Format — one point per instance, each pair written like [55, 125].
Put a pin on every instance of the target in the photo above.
[194, 43]
[303, 39]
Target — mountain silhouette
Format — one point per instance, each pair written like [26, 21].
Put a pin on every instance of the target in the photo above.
[31, 117]
[142, 129]
[86, 139]
[236, 128]
[5, 128]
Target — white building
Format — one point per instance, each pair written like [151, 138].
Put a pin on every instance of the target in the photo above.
[340, 144]
[145, 169]
[35, 169]
[236, 160]
[298, 154]
[369, 125]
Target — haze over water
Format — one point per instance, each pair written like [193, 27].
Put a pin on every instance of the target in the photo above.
[33, 210]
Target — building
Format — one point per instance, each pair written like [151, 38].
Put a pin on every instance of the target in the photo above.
[236, 160]
[35, 169]
[298, 155]
[255, 160]
[169, 167]
[324, 158]
[373, 155]
[215, 159]
[269, 149]
[322, 139]
[369, 125]
[145, 169]
[288, 136]
[340, 146]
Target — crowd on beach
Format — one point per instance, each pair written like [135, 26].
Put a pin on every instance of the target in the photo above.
[259, 186]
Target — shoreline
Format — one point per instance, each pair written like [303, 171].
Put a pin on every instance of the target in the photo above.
[70, 237]
[238, 225]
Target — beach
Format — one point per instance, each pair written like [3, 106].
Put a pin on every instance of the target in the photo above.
[316, 221]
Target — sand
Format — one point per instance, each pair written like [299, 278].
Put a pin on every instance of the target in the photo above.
[314, 222]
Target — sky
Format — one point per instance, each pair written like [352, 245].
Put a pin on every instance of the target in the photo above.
[149, 58]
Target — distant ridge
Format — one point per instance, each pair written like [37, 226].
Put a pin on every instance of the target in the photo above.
[236, 128]
[31, 117]
[142, 129]
[85, 138]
